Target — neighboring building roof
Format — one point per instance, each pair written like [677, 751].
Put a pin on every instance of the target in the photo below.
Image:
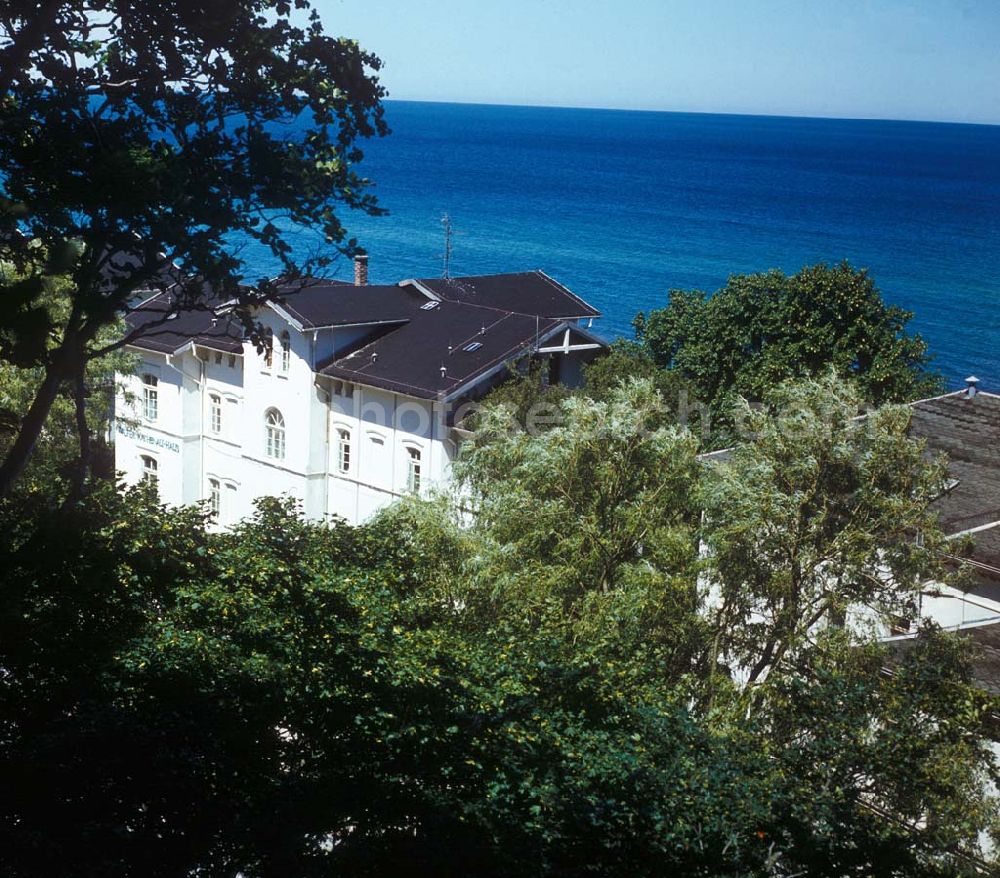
[985, 640]
[470, 326]
[967, 429]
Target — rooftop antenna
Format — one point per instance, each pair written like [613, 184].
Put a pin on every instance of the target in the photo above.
[449, 232]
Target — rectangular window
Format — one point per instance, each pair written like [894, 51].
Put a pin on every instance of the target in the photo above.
[150, 397]
[473, 346]
[413, 470]
[218, 358]
[150, 472]
[343, 451]
[232, 361]
[214, 499]
[215, 413]
[286, 351]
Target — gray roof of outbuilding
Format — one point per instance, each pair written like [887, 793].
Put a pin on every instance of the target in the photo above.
[967, 429]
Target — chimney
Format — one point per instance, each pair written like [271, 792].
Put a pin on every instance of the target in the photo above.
[970, 384]
[361, 270]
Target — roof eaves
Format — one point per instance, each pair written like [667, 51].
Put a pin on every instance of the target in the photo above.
[286, 312]
[400, 320]
[379, 383]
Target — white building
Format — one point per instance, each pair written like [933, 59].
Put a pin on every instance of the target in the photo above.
[354, 406]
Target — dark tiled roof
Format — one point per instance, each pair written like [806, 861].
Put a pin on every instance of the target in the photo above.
[409, 342]
[409, 359]
[968, 431]
[158, 332]
[526, 292]
[334, 303]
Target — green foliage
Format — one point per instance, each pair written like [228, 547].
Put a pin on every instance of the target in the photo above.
[529, 691]
[630, 360]
[57, 456]
[527, 394]
[136, 137]
[603, 490]
[818, 512]
[762, 329]
[534, 404]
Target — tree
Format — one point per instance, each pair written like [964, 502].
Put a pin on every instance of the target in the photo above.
[819, 513]
[75, 436]
[761, 329]
[140, 140]
[297, 699]
[799, 773]
[607, 495]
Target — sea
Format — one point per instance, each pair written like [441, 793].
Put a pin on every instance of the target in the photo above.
[624, 206]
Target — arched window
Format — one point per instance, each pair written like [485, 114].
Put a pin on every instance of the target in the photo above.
[214, 499]
[286, 351]
[150, 397]
[413, 470]
[150, 471]
[215, 413]
[344, 450]
[274, 444]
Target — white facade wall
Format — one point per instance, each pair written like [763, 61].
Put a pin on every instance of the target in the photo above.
[209, 434]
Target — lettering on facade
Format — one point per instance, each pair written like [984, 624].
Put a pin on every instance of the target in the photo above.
[158, 441]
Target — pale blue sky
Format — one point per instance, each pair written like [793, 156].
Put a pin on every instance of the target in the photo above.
[896, 59]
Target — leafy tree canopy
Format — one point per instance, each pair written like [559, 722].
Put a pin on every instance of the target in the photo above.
[402, 697]
[140, 136]
[761, 329]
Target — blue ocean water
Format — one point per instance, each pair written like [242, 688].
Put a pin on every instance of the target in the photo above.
[623, 206]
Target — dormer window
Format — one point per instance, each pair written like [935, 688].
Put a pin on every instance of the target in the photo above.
[429, 306]
[473, 346]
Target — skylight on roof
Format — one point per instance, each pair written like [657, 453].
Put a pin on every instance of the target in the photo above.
[473, 346]
[429, 306]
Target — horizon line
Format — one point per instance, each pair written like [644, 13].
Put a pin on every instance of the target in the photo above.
[539, 106]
